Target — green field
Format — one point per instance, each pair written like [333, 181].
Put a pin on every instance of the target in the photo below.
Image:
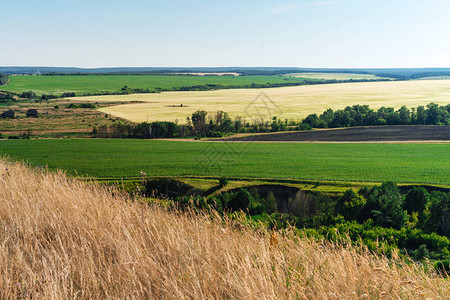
[96, 84]
[424, 163]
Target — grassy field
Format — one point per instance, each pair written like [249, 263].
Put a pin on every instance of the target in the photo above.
[291, 102]
[426, 163]
[109, 83]
[54, 117]
[63, 238]
[337, 76]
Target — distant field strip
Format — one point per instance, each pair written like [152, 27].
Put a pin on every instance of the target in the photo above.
[425, 163]
[295, 102]
[337, 76]
[95, 84]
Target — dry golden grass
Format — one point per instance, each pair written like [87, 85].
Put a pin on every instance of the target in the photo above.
[293, 102]
[60, 238]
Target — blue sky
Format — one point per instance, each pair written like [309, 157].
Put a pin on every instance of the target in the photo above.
[295, 33]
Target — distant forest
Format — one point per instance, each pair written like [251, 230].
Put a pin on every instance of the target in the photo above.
[3, 79]
[397, 73]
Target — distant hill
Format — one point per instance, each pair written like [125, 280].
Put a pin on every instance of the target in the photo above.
[400, 73]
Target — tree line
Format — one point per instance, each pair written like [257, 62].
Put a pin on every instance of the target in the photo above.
[3, 79]
[362, 115]
[203, 124]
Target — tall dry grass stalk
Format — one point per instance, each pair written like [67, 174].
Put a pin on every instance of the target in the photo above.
[62, 238]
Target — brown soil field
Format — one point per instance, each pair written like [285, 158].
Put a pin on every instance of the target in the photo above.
[356, 134]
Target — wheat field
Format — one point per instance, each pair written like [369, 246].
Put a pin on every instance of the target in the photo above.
[64, 238]
[286, 102]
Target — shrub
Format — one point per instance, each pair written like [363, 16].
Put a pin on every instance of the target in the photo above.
[66, 95]
[223, 181]
[270, 203]
[421, 253]
[28, 95]
[240, 201]
[350, 205]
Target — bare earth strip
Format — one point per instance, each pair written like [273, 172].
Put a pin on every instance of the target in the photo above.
[291, 102]
[377, 134]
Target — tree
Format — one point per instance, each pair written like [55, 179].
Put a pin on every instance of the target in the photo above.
[385, 204]
[435, 114]
[416, 200]
[238, 124]
[226, 124]
[223, 181]
[421, 115]
[199, 121]
[404, 115]
[3, 79]
[327, 117]
[311, 120]
[28, 95]
[270, 203]
[350, 205]
[241, 200]
[439, 213]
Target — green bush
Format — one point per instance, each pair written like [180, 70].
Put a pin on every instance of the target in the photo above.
[270, 203]
[28, 95]
[421, 253]
[385, 205]
[223, 181]
[240, 201]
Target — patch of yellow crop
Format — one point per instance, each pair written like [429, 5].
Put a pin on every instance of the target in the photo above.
[293, 102]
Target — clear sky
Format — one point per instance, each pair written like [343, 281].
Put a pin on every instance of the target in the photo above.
[292, 33]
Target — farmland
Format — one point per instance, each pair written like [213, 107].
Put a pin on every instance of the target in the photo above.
[356, 134]
[98, 84]
[55, 116]
[425, 163]
[336, 76]
[291, 102]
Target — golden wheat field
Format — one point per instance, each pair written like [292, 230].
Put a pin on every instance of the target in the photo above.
[286, 102]
[63, 238]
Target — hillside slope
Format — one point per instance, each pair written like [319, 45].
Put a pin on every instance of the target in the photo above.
[62, 238]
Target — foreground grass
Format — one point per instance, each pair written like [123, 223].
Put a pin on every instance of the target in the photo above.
[420, 163]
[94, 84]
[61, 238]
